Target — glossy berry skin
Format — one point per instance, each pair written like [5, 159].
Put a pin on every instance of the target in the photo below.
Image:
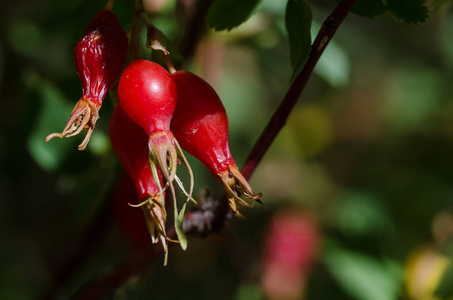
[99, 58]
[148, 95]
[200, 122]
[130, 144]
[100, 55]
[200, 125]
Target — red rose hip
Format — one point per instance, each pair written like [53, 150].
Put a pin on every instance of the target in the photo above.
[147, 94]
[200, 124]
[99, 57]
[130, 144]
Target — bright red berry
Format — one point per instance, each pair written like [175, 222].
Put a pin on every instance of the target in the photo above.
[147, 93]
[130, 143]
[99, 57]
[200, 124]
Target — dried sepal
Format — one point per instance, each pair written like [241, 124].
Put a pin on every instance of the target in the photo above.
[83, 117]
[233, 182]
[155, 216]
[165, 153]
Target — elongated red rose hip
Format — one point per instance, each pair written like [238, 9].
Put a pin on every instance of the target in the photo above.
[148, 95]
[99, 57]
[130, 144]
[200, 124]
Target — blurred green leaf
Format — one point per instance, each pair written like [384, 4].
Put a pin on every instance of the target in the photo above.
[25, 37]
[369, 8]
[359, 214]
[333, 65]
[54, 114]
[445, 289]
[441, 4]
[249, 292]
[409, 11]
[413, 97]
[298, 19]
[99, 143]
[446, 42]
[312, 129]
[227, 14]
[364, 277]
[274, 6]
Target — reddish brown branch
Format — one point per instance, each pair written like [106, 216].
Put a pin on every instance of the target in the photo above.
[104, 285]
[279, 118]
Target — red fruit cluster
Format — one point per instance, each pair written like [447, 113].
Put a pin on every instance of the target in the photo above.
[99, 57]
[184, 106]
[155, 107]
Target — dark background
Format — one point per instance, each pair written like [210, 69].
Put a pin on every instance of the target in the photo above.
[367, 152]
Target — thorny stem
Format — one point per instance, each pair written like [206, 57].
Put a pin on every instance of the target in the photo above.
[104, 285]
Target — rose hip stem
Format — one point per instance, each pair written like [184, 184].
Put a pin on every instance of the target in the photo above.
[99, 57]
[200, 124]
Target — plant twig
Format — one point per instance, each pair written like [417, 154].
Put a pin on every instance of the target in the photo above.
[278, 120]
[104, 285]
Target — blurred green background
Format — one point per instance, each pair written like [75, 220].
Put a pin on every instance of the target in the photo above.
[367, 153]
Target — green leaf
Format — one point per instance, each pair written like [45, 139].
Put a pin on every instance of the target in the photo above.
[178, 227]
[227, 14]
[53, 116]
[298, 19]
[441, 4]
[364, 277]
[409, 11]
[333, 66]
[369, 8]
